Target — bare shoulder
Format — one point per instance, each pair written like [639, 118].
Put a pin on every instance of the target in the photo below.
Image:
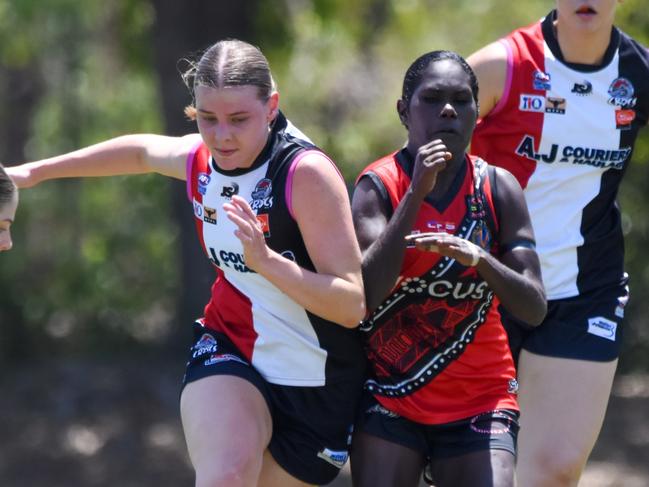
[315, 171]
[490, 66]
[491, 55]
[508, 187]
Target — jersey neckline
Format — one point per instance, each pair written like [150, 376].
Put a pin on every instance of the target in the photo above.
[547, 27]
[407, 163]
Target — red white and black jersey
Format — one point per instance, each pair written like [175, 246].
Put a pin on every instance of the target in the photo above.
[286, 343]
[567, 131]
[436, 346]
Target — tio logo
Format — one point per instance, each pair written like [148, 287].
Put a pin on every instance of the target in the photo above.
[532, 103]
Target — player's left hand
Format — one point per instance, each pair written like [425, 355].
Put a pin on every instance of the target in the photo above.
[249, 231]
[465, 252]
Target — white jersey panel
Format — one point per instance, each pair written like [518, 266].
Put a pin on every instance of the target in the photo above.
[555, 202]
[286, 350]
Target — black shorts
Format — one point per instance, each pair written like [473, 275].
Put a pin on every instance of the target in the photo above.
[584, 327]
[491, 430]
[312, 426]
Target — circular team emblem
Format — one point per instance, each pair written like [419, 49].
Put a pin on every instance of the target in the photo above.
[621, 93]
[262, 189]
[621, 88]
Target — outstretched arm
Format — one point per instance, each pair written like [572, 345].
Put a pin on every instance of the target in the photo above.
[129, 154]
[321, 209]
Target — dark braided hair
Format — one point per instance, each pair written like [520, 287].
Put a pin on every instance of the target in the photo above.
[417, 68]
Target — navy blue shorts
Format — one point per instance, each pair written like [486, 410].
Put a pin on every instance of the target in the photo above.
[584, 327]
[491, 430]
[312, 426]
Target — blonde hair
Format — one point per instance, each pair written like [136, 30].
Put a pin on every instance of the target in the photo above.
[230, 62]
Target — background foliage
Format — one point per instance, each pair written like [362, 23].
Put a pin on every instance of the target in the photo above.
[101, 267]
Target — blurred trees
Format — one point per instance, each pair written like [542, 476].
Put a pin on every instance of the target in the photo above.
[101, 267]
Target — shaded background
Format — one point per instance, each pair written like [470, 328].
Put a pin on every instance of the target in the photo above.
[97, 297]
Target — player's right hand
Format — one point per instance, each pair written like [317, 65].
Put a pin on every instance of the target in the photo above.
[430, 160]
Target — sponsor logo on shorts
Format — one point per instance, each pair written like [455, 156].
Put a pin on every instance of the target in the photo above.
[378, 409]
[621, 304]
[336, 458]
[531, 103]
[223, 357]
[602, 327]
[206, 344]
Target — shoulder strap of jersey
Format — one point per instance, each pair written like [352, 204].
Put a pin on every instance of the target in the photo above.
[481, 173]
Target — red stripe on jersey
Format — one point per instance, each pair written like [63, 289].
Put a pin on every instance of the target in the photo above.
[200, 163]
[494, 139]
[227, 311]
[189, 166]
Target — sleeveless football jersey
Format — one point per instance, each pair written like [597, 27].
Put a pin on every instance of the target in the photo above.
[436, 346]
[567, 131]
[287, 344]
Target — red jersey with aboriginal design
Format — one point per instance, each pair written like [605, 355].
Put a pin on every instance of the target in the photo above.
[437, 348]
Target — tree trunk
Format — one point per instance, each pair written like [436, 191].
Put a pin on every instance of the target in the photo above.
[20, 92]
[183, 30]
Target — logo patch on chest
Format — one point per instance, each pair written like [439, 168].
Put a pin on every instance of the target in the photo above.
[261, 195]
[531, 103]
[264, 224]
[582, 89]
[446, 227]
[624, 118]
[541, 81]
[209, 215]
[230, 191]
[621, 93]
[555, 105]
[203, 181]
